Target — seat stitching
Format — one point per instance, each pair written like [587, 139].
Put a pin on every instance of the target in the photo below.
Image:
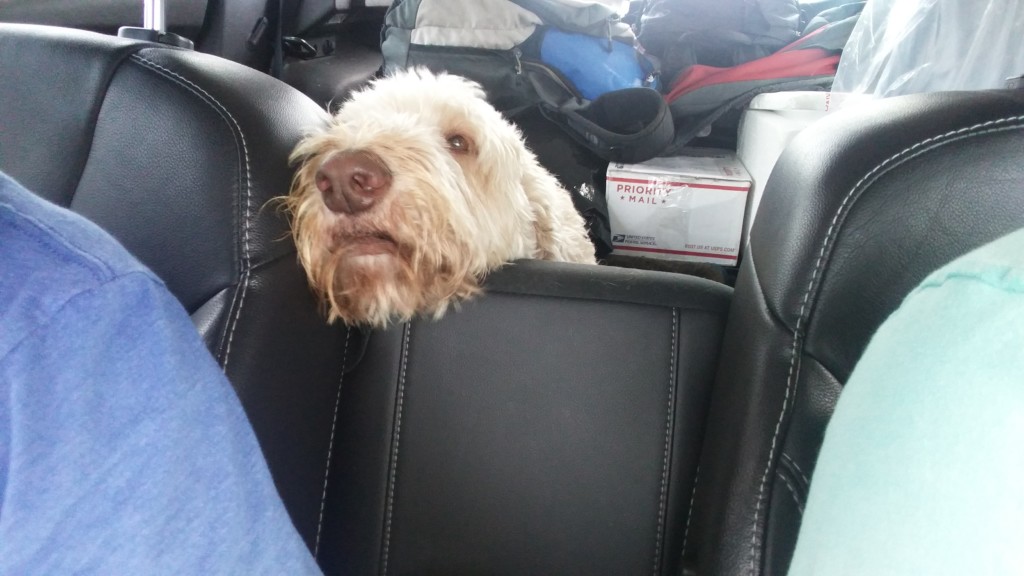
[330, 443]
[239, 135]
[793, 463]
[394, 449]
[905, 154]
[792, 490]
[689, 513]
[659, 537]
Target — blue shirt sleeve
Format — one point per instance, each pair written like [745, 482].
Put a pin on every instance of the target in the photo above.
[123, 448]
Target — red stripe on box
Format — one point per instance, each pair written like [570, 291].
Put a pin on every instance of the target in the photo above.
[676, 252]
[688, 184]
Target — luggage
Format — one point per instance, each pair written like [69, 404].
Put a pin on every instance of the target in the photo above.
[721, 33]
[705, 99]
[574, 59]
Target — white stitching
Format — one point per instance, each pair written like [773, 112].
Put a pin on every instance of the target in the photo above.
[394, 449]
[796, 497]
[330, 444]
[793, 463]
[246, 253]
[813, 283]
[236, 316]
[689, 514]
[658, 538]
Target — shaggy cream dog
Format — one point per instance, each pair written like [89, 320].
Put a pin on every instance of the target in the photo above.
[417, 190]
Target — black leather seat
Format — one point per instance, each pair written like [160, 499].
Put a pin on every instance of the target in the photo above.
[858, 211]
[550, 427]
[177, 154]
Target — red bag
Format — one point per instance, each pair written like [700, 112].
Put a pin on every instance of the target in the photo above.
[702, 95]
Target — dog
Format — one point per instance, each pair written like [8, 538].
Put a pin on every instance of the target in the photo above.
[418, 189]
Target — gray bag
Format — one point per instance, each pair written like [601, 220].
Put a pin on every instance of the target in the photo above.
[485, 40]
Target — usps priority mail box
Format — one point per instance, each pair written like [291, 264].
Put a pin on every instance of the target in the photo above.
[687, 207]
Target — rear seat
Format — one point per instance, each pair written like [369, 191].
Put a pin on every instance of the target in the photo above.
[552, 426]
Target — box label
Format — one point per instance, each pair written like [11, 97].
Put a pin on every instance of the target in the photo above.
[677, 216]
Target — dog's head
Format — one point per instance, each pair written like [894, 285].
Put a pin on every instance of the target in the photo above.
[413, 193]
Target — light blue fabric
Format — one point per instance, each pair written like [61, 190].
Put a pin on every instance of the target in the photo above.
[922, 468]
[593, 64]
[123, 449]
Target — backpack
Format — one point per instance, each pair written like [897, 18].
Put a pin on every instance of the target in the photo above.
[574, 59]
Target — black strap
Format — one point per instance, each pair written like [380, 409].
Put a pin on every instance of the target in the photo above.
[278, 62]
[628, 125]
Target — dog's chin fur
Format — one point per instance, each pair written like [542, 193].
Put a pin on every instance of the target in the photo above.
[448, 218]
[373, 289]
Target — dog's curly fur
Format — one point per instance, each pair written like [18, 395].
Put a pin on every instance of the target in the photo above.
[453, 215]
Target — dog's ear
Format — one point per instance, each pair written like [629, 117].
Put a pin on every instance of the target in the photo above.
[560, 230]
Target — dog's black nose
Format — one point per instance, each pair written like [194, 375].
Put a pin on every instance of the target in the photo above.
[353, 182]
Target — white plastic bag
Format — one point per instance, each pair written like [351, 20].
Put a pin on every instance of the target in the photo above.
[910, 46]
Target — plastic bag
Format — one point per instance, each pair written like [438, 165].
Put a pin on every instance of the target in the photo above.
[911, 46]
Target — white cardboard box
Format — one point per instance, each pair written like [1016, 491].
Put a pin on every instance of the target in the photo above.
[682, 208]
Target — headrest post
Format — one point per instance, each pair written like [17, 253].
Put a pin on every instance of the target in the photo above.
[154, 16]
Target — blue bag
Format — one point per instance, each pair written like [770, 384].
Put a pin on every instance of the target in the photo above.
[594, 65]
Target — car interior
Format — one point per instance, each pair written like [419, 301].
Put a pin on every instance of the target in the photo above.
[573, 419]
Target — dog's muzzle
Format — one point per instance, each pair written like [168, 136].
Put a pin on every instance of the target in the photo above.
[353, 182]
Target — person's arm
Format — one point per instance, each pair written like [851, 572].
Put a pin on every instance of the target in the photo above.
[124, 450]
[921, 469]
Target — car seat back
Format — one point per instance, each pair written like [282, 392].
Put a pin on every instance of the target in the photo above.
[178, 155]
[860, 208]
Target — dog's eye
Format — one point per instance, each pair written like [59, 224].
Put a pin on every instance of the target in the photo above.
[458, 144]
